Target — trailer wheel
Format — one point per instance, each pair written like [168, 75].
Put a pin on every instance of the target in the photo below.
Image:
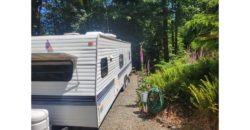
[125, 83]
[128, 79]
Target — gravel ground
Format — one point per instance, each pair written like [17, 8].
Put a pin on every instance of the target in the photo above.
[125, 115]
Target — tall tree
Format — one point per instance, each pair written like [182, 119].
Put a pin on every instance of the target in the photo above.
[35, 19]
[173, 36]
[155, 23]
[165, 29]
[177, 12]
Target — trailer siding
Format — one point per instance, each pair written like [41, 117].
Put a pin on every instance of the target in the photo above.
[70, 103]
[107, 88]
[86, 99]
[86, 55]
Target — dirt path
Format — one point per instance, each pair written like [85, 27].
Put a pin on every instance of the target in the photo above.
[125, 115]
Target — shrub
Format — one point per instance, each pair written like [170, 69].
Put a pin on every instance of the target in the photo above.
[174, 78]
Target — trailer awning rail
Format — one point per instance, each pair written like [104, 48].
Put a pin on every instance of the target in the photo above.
[53, 57]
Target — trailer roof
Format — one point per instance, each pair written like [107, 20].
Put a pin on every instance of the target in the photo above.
[75, 35]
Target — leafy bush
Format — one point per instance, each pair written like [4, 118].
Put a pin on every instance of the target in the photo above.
[174, 78]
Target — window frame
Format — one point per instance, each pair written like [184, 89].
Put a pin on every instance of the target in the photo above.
[50, 71]
[121, 60]
[104, 69]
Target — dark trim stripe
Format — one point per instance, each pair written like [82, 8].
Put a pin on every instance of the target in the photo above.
[105, 91]
[53, 61]
[62, 100]
[123, 70]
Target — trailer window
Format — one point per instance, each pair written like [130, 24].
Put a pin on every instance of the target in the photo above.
[52, 70]
[121, 60]
[104, 67]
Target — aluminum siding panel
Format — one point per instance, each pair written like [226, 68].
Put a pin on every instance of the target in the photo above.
[86, 62]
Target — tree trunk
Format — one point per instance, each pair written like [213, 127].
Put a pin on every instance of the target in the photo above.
[36, 8]
[176, 39]
[158, 47]
[173, 36]
[172, 28]
[165, 30]
[176, 28]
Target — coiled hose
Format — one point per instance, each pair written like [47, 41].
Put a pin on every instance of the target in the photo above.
[155, 100]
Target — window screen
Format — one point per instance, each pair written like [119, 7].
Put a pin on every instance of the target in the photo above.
[52, 70]
[104, 67]
[121, 61]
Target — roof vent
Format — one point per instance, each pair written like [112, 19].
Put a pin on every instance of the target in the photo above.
[109, 35]
[101, 33]
[94, 33]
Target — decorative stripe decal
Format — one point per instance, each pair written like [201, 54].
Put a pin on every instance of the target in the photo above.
[62, 100]
[104, 92]
[122, 72]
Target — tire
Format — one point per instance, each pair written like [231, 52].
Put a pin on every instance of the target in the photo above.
[128, 79]
[125, 83]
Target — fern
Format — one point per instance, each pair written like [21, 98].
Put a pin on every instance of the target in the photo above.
[205, 96]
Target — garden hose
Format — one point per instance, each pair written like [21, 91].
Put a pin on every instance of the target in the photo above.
[155, 100]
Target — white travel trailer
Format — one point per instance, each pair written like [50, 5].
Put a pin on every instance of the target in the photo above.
[78, 77]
